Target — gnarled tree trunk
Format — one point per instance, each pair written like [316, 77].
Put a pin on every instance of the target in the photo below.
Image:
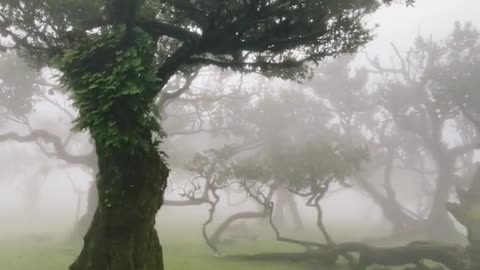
[130, 192]
[467, 212]
[286, 204]
[440, 225]
[391, 208]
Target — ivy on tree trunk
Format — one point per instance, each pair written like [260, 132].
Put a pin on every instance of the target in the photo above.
[112, 81]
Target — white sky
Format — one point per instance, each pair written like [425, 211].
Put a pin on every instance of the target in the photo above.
[400, 25]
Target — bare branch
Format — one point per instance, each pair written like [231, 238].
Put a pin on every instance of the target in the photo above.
[61, 152]
[165, 97]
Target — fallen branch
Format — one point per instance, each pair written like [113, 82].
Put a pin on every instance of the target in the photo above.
[327, 257]
[451, 256]
[215, 237]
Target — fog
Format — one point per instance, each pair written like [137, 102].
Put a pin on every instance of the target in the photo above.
[378, 131]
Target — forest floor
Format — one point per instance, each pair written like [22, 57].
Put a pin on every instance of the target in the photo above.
[184, 249]
[30, 256]
[35, 255]
[180, 253]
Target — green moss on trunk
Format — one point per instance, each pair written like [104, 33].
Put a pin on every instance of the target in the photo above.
[113, 82]
[122, 235]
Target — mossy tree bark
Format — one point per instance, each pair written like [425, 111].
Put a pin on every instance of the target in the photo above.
[114, 83]
[130, 191]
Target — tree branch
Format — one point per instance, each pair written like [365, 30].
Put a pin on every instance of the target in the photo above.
[165, 97]
[61, 152]
[157, 29]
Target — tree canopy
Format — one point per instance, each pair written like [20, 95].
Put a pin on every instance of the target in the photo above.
[258, 35]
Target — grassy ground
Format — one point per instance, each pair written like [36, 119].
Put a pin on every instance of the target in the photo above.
[184, 251]
[58, 257]
[179, 255]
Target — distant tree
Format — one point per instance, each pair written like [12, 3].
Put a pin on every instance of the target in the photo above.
[22, 90]
[456, 78]
[455, 75]
[359, 115]
[411, 96]
[117, 55]
[18, 84]
[287, 146]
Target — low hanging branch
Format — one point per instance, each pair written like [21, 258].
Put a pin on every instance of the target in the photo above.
[266, 202]
[192, 198]
[323, 253]
[214, 238]
[454, 257]
[217, 234]
[57, 143]
[318, 190]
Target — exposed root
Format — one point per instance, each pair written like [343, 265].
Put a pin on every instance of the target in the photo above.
[413, 255]
[451, 256]
[323, 257]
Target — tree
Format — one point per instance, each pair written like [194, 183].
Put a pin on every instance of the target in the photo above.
[456, 78]
[17, 86]
[117, 55]
[411, 97]
[358, 115]
[22, 89]
[285, 144]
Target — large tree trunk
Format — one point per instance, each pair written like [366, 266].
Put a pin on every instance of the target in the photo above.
[391, 209]
[467, 212]
[440, 225]
[130, 192]
[286, 202]
[113, 88]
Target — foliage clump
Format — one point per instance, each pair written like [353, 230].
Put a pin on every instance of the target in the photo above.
[112, 81]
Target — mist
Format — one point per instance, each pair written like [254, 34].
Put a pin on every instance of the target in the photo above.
[357, 153]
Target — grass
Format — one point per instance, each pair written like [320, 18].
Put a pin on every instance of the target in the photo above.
[184, 249]
[34, 256]
[180, 253]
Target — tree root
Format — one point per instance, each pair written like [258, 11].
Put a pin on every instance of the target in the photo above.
[323, 257]
[451, 256]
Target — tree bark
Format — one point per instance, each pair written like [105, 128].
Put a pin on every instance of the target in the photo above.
[452, 256]
[130, 192]
[440, 225]
[467, 212]
[214, 239]
[391, 208]
[286, 202]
